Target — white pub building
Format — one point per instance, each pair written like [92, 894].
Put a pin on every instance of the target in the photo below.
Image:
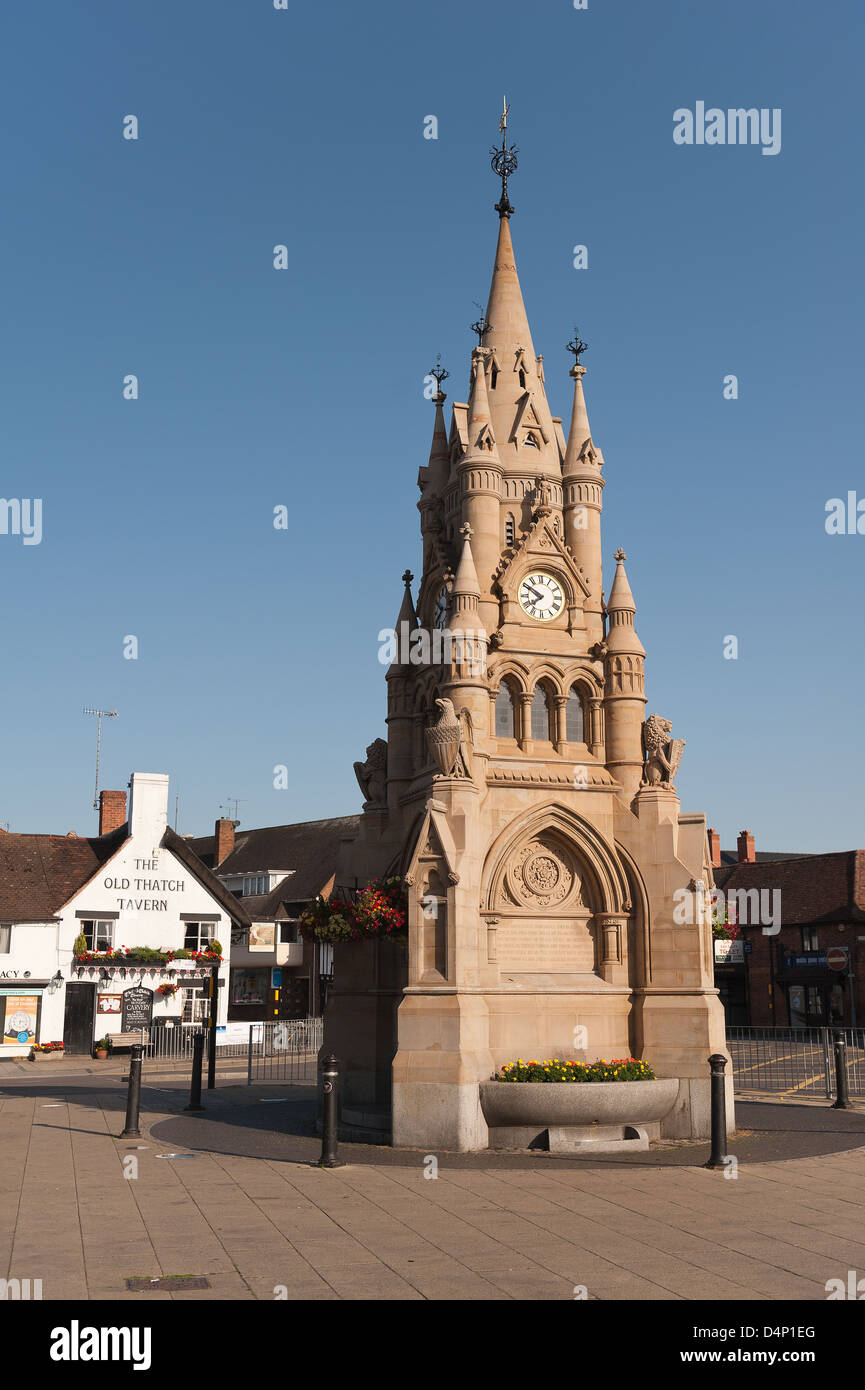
[135, 893]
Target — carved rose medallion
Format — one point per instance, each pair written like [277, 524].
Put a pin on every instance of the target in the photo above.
[541, 875]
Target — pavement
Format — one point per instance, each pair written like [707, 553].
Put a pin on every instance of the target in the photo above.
[233, 1196]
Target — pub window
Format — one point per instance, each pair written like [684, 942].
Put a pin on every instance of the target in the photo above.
[5, 938]
[197, 936]
[98, 935]
[505, 721]
[574, 726]
[196, 1005]
[288, 933]
[541, 714]
[810, 939]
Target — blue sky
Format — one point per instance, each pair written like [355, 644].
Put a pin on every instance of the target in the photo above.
[258, 388]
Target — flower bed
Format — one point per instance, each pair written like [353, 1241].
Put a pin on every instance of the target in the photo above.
[146, 955]
[622, 1069]
[380, 909]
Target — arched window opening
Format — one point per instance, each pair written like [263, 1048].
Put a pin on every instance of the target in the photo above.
[522, 379]
[541, 712]
[494, 376]
[505, 712]
[531, 441]
[510, 530]
[574, 717]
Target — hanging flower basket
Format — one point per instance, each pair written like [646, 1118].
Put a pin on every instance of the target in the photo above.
[380, 909]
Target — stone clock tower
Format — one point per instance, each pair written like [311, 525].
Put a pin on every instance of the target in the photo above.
[522, 794]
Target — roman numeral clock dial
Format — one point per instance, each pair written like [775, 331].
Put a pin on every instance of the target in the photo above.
[541, 596]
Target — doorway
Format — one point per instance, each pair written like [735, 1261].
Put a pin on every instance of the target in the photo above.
[78, 1018]
[815, 1006]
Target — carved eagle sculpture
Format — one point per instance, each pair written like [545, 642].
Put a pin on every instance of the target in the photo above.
[450, 741]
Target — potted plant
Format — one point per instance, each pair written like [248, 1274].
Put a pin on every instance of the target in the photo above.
[45, 1050]
[102, 1047]
[571, 1106]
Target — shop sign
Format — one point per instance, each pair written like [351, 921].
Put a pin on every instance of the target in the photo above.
[729, 952]
[21, 1014]
[137, 1006]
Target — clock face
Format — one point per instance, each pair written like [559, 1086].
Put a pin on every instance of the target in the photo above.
[441, 608]
[541, 596]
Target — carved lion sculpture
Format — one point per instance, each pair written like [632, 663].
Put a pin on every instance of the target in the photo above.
[372, 775]
[662, 753]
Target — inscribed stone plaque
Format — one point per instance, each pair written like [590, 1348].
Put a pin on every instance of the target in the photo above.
[550, 945]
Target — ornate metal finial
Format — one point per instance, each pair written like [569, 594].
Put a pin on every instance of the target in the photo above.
[504, 162]
[440, 374]
[467, 530]
[407, 578]
[480, 326]
[620, 554]
[577, 346]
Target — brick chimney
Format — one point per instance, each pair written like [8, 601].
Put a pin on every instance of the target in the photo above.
[714, 849]
[223, 839]
[745, 846]
[112, 811]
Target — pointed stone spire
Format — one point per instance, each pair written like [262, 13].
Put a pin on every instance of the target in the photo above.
[466, 583]
[506, 312]
[406, 623]
[481, 435]
[580, 429]
[621, 610]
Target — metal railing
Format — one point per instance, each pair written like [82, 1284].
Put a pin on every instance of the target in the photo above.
[285, 1050]
[794, 1061]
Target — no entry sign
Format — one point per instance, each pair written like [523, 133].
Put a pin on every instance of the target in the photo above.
[836, 958]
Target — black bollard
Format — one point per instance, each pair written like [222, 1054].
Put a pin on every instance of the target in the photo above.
[718, 1157]
[330, 1079]
[842, 1084]
[197, 1065]
[133, 1099]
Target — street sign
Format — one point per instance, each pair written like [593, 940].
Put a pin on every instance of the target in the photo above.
[836, 957]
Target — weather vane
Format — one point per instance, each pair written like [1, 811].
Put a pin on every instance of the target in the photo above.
[504, 162]
[481, 325]
[577, 346]
[440, 374]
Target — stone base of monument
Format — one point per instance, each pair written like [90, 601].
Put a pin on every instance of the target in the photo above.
[576, 1117]
[574, 1139]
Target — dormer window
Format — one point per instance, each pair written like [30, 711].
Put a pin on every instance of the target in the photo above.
[531, 441]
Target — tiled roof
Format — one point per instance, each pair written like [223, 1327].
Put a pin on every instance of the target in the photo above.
[814, 887]
[307, 851]
[731, 856]
[40, 873]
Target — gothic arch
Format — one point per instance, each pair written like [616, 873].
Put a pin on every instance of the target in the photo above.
[517, 670]
[603, 863]
[550, 674]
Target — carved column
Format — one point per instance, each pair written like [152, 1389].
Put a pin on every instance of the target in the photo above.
[611, 934]
[524, 733]
[596, 727]
[560, 726]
